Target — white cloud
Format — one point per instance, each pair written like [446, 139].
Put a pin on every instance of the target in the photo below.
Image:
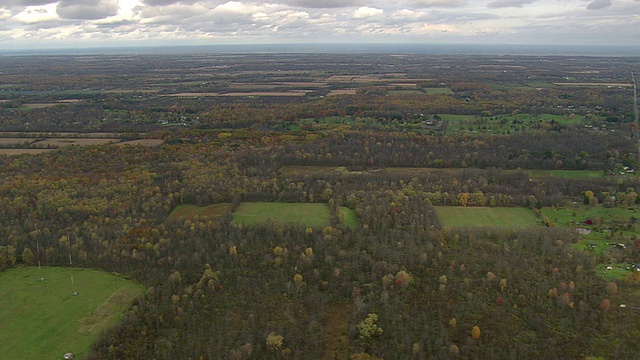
[367, 12]
[237, 21]
[4, 14]
[438, 3]
[325, 4]
[36, 14]
[509, 3]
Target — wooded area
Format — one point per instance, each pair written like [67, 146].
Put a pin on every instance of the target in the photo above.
[395, 283]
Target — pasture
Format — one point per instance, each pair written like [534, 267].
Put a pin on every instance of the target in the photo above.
[313, 215]
[142, 142]
[14, 143]
[11, 152]
[499, 217]
[48, 312]
[61, 142]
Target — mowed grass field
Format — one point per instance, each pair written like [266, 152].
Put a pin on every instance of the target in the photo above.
[500, 217]
[315, 216]
[41, 318]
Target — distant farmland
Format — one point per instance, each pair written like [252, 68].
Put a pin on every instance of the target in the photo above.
[14, 143]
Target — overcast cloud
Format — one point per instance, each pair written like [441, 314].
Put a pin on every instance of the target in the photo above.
[73, 23]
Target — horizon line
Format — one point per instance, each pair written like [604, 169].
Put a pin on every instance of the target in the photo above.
[344, 47]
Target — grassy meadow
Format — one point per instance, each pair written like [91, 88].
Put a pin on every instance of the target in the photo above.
[499, 217]
[48, 312]
[348, 217]
[311, 215]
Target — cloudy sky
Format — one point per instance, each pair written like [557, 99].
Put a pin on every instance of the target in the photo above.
[77, 23]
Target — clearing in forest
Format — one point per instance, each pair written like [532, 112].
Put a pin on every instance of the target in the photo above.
[501, 217]
[312, 215]
[48, 312]
[315, 216]
[189, 212]
[348, 217]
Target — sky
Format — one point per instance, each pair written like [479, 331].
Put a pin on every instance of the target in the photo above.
[107, 23]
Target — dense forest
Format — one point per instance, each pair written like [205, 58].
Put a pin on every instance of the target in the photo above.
[399, 284]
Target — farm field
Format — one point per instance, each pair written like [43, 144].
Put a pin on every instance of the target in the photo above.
[60, 142]
[240, 94]
[184, 212]
[42, 318]
[337, 92]
[438, 90]
[15, 143]
[311, 215]
[142, 142]
[502, 217]
[11, 152]
[44, 134]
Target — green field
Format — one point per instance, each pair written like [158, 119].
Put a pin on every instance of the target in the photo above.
[41, 318]
[348, 217]
[311, 215]
[502, 217]
[184, 212]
